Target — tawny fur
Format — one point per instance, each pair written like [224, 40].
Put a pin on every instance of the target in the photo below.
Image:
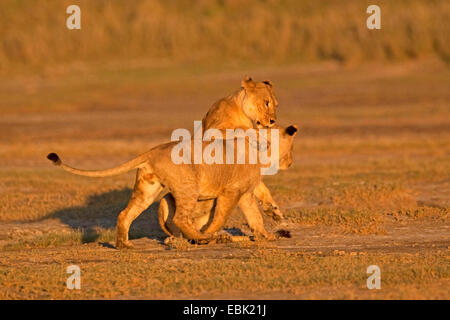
[203, 214]
[252, 105]
[229, 184]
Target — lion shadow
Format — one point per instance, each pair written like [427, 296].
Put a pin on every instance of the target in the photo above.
[99, 216]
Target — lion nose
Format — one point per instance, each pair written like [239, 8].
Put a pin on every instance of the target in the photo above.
[272, 121]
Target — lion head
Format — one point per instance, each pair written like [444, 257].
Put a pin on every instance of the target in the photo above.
[259, 103]
[286, 144]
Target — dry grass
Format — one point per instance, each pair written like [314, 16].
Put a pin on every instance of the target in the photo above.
[61, 239]
[366, 209]
[34, 35]
[380, 198]
[292, 274]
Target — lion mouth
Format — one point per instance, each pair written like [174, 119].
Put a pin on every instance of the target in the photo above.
[261, 125]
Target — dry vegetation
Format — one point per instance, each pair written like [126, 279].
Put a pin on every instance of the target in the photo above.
[371, 178]
[34, 35]
[253, 274]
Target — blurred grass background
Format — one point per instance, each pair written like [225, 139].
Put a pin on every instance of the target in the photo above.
[34, 37]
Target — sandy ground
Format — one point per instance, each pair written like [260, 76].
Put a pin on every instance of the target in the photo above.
[370, 184]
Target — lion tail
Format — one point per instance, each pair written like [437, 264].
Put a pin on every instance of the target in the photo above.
[127, 166]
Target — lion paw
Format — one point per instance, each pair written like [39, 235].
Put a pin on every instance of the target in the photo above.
[124, 245]
[223, 238]
[273, 211]
[269, 236]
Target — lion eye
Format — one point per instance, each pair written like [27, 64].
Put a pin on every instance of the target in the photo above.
[267, 103]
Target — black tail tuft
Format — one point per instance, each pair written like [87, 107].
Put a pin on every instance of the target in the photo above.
[54, 158]
[284, 233]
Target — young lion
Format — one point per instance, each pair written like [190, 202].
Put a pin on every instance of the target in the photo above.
[229, 184]
[205, 208]
[253, 105]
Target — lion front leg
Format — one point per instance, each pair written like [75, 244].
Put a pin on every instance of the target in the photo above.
[184, 217]
[269, 205]
[225, 204]
[200, 217]
[249, 207]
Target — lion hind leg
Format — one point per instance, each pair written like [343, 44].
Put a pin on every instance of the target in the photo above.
[146, 190]
[166, 212]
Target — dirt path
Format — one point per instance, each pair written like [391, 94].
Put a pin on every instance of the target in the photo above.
[409, 238]
[399, 237]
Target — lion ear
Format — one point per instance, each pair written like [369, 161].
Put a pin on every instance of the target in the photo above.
[247, 82]
[291, 130]
[268, 82]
